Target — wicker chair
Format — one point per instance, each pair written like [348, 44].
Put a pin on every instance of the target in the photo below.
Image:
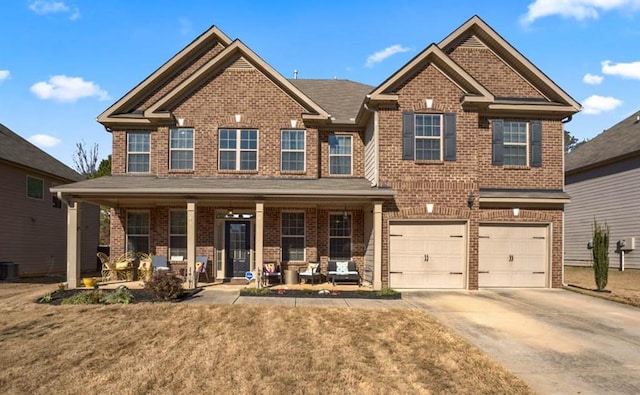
[109, 271]
[145, 269]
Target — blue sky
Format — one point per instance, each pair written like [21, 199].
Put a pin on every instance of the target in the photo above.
[63, 62]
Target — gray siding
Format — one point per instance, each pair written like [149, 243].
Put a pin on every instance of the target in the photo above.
[370, 159]
[613, 198]
[368, 245]
[34, 233]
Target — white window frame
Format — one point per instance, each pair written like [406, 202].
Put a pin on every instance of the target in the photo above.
[303, 237]
[147, 235]
[416, 137]
[238, 150]
[148, 153]
[350, 155]
[350, 237]
[41, 197]
[172, 150]
[171, 235]
[511, 144]
[303, 150]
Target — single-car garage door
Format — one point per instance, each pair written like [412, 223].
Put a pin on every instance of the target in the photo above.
[512, 256]
[427, 255]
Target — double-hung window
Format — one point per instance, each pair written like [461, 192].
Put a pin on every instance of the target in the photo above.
[178, 233]
[515, 142]
[238, 149]
[138, 231]
[181, 149]
[293, 151]
[340, 152]
[35, 188]
[293, 236]
[428, 137]
[340, 236]
[138, 151]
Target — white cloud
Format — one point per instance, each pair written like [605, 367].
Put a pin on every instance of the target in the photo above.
[44, 140]
[595, 104]
[577, 9]
[4, 74]
[44, 7]
[385, 53]
[592, 79]
[624, 70]
[67, 89]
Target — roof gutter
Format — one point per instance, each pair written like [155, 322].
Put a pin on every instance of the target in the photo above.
[567, 119]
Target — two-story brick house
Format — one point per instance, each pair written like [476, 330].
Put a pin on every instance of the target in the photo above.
[449, 174]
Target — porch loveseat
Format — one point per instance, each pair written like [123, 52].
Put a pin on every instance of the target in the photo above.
[342, 271]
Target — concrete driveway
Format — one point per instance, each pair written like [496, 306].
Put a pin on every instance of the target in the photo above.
[558, 341]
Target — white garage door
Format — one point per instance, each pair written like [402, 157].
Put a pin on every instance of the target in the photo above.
[512, 256]
[427, 255]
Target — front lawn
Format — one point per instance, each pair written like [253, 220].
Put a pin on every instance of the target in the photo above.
[624, 286]
[174, 348]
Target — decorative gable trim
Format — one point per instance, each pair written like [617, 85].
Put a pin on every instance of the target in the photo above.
[116, 113]
[559, 100]
[160, 109]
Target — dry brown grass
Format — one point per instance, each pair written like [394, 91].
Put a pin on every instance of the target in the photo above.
[624, 286]
[177, 348]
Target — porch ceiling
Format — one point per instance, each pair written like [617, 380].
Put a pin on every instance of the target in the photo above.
[112, 190]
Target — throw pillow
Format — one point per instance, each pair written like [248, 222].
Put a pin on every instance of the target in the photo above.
[342, 267]
[269, 267]
[122, 265]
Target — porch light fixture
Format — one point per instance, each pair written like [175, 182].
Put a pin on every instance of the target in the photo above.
[238, 118]
[470, 200]
[230, 212]
[180, 121]
[294, 123]
[516, 211]
[429, 103]
[117, 210]
[345, 214]
[429, 208]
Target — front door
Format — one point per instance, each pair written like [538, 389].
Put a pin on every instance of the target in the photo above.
[237, 236]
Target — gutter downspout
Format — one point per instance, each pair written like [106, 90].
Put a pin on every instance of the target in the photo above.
[566, 120]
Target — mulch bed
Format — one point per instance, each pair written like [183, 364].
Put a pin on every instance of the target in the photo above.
[300, 293]
[139, 296]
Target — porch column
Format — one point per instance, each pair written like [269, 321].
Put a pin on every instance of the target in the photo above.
[73, 245]
[192, 279]
[377, 245]
[259, 240]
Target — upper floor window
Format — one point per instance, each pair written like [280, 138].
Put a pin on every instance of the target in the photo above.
[340, 152]
[238, 149]
[181, 149]
[293, 236]
[35, 188]
[428, 137]
[138, 152]
[293, 150]
[517, 143]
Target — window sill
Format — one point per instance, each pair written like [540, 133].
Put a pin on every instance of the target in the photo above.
[515, 167]
[340, 175]
[429, 162]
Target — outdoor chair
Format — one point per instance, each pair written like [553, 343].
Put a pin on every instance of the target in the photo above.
[271, 270]
[312, 273]
[144, 267]
[342, 271]
[109, 272]
[201, 267]
[159, 263]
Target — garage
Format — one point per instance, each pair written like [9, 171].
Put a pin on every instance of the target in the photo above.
[513, 256]
[427, 255]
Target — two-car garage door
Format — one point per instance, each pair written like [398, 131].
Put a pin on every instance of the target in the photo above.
[427, 255]
[512, 256]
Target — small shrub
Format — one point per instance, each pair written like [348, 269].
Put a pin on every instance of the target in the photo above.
[165, 286]
[600, 253]
[255, 291]
[86, 297]
[45, 299]
[386, 291]
[307, 291]
[120, 295]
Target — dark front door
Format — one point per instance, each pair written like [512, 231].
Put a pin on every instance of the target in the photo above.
[237, 236]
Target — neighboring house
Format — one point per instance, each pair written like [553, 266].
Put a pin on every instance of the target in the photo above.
[447, 175]
[33, 234]
[603, 178]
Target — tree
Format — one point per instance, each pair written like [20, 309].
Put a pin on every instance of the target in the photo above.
[104, 169]
[570, 142]
[85, 159]
[600, 253]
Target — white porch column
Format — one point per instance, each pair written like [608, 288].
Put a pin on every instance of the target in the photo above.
[259, 240]
[192, 278]
[377, 245]
[73, 245]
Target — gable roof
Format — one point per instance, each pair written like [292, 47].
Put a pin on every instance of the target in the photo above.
[209, 37]
[616, 143]
[237, 47]
[340, 98]
[476, 26]
[16, 150]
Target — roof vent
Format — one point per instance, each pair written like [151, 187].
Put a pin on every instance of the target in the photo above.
[295, 74]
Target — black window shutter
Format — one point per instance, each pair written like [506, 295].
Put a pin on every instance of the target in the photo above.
[498, 141]
[536, 143]
[449, 136]
[408, 135]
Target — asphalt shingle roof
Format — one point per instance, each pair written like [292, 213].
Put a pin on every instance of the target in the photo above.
[620, 140]
[340, 98]
[15, 149]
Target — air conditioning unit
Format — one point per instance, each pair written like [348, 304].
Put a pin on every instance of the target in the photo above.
[8, 271]
[628, 243]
